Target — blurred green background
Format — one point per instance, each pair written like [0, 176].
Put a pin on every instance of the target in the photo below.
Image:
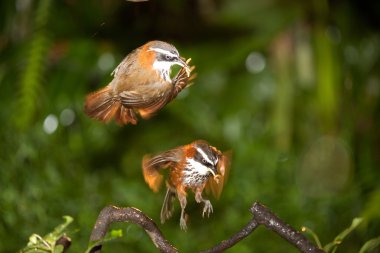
[292, 87]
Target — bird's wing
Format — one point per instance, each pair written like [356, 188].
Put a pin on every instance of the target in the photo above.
[164, 159]
[134, 99]
[152, 165]
[146, 106]
[215, 184]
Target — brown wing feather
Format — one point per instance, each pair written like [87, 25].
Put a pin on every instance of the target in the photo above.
[147, 106]
[156, 105]
[216, 186]
[152, 165]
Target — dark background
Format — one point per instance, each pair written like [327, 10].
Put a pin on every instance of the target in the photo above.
[292, 87]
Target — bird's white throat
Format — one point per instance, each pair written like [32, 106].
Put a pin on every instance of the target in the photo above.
[197, 167]
[164, 69]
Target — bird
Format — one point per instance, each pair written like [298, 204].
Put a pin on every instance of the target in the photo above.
[195, 166]
[141, 84]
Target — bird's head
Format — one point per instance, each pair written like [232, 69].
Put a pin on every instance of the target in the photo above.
[164, 56]
[203, 158]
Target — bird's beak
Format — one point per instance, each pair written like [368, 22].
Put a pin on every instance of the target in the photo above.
[212, 171]
[181, 61]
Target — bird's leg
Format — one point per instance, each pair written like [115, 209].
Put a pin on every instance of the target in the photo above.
[182, 201]
[181, 80]
[207, 209]
[180, 77]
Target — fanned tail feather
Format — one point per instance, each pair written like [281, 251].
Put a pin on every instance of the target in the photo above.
[103, 106]
[125, 115]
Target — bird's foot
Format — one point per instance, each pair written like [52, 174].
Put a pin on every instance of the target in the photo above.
[207, 209]
[182, 223]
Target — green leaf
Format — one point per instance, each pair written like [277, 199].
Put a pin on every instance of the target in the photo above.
[112, 235]
[33, 239]
[38, 243]
[58, 230]
[92, 244]
[332, 246]
[370, 245]
[58, 249]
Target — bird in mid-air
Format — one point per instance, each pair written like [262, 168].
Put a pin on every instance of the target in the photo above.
[196, 166]
[141, 84]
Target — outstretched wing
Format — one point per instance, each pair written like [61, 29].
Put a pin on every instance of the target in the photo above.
[215, 184]
[152, 165]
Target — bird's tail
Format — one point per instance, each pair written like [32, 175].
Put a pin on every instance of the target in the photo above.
[103, 106]
[167, 207]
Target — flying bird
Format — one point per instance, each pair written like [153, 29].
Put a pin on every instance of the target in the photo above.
[196, 166]
[141, 85]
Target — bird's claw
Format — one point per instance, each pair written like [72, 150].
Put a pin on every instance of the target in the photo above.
[217, 178]
[182, 224]
[184, 73]
[207, 209]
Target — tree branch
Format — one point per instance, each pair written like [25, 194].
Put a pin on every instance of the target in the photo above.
[265, 217]
[261, 216]
[243, 233]
[111, 214]
[65, 242]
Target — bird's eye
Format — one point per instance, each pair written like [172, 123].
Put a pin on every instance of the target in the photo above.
[168, 57]
[204, 161]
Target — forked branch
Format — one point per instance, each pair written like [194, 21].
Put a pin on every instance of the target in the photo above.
[111, 214]
[261, 216]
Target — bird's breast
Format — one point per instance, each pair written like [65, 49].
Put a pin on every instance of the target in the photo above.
[194, 174]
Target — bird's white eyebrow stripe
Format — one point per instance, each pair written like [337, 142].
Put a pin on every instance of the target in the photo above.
[162, 51]
[204, 155]
[197, 165]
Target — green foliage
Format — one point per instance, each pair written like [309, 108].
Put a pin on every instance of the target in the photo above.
[332, 246]
[47, 244]
[372, 208]
[111, 235]
[32, 75]
[313, 235]
[338, 240]
[39, 244]
[291, 87]
[370, 245]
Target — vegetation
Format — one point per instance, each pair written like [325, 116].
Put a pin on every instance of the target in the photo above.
[292, 87]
